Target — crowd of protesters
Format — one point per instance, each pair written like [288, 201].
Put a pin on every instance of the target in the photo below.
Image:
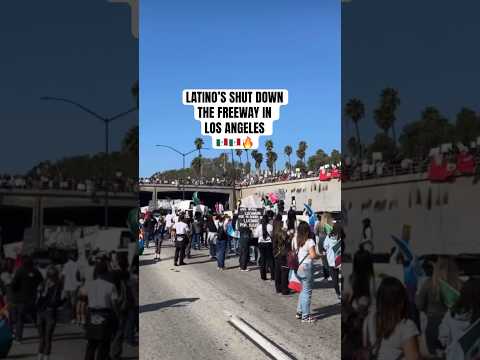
[117, 183]
[96, 291]
[278, 248]
[453, 159]
[261, 177]
[382, 318]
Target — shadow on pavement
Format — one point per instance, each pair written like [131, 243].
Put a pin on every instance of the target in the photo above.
[166, 304]
[326, 311]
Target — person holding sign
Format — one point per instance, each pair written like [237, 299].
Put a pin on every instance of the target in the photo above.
[264, 234]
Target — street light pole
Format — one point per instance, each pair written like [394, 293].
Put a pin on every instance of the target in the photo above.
[183, 155]
[234, 198]
[106, 121]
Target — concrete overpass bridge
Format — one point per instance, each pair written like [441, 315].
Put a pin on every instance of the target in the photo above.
[323, 196]
[30, 208]
[209, 194]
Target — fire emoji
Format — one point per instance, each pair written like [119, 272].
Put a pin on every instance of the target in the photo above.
[247, 143]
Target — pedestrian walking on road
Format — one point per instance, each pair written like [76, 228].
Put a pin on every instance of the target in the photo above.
[280, 250]
[212, 237]
[181, 229]
[221, 243]
[158, 236]
[244, 241]
[264, 234]
[47, 306]
[306, 254]
[24, 287]
[330, 243]
[197, 228]
[102, 297]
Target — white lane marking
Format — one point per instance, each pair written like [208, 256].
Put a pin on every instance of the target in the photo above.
[258, 338]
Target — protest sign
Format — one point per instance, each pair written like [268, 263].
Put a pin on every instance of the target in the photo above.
[250, 217]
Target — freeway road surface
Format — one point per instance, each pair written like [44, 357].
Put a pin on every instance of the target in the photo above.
[185, 312]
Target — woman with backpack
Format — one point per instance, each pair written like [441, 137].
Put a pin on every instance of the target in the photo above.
[47, 305]
[263, 232]
[305, 250]
[280, 251]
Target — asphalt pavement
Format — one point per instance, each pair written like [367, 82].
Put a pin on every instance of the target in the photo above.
[186, 312]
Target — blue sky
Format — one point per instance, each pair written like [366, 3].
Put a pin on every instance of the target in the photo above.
[242, 44]
[427, 50]
[83, 51]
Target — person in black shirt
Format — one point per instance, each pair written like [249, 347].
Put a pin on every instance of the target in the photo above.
[47, 305]
[244, 241]
[24, 287]
[291, 219]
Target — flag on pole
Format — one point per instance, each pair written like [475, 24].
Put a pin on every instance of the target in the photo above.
[448, 294]
[195, 198]
[404, 248]
[337, 250]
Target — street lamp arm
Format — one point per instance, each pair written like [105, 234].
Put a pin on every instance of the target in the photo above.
[91, 112]
[123, 114]
[172, 148]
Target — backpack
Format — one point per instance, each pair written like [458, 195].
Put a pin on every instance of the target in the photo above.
[222, 234]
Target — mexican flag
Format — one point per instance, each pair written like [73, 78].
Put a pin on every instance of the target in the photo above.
[449, 294]
[132, 221]
[195, 198]
[337, 249]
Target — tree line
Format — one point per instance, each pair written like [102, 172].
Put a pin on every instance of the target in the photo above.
[245, 161]
[417, 137]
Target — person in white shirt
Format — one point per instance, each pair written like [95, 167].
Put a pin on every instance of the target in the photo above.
[306, 254]
[168, 222]
[263, 233]
[460, 319]
[387, 330]
[331, 245]
[71, 284]
[102, 301]
[181, 239]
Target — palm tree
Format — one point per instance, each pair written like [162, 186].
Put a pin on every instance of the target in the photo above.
[382, 118]
[355, 110]
[269, 145]
[274, 157]
[239, 152]
[130, 141]
[301, 151]
[248, 161]
[288, 151]
[258, 157]
[198, 145]
[390, 102]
